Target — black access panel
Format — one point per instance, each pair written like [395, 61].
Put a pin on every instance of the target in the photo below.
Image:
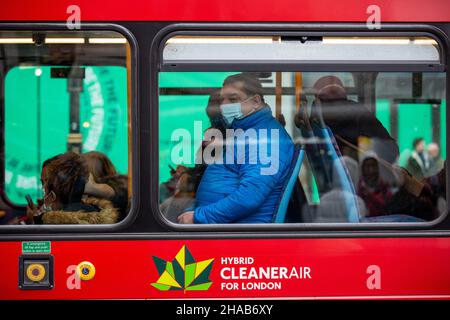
[36, 272]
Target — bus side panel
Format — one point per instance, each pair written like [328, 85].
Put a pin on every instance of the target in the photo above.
[217, 10]
[269, 268]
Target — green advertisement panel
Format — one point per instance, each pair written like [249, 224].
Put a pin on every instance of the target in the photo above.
[37, 111]
[181, 112]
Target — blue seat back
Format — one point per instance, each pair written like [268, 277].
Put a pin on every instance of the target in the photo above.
[280, 214]
[343, 175]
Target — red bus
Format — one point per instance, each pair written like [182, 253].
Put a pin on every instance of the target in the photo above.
[116, 120]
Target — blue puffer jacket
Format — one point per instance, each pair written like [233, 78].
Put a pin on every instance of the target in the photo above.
[247, 190]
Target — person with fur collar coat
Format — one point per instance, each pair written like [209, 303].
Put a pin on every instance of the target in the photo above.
[103, 213]
[64, 183]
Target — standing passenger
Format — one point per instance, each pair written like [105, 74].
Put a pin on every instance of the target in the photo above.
[418, 163]
[436, 162]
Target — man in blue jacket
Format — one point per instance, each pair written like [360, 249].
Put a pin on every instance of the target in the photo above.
[247, 186]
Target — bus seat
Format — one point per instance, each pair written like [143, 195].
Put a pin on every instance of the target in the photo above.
[294, 170]
[346, 184]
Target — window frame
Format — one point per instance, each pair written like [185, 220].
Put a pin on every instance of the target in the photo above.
[132, 136]
[247, 29]
[353, 31]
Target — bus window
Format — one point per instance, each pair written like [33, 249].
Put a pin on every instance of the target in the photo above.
[301, 146]
[66, 127]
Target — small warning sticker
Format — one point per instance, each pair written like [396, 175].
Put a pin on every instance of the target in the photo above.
[36, 247]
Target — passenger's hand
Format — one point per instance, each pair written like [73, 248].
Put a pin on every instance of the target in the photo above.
[302, 120]
[99, 190]
[90, 184]
[186, 218]
[281, 120]
[412, 185]
[180, 170]
[13, 221]
[399, 174]
[31, 213]
[317, 114]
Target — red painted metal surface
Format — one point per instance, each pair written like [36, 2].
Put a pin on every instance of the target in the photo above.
[230, 10]
[409, 268]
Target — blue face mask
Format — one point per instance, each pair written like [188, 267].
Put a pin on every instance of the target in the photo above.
[231, 111]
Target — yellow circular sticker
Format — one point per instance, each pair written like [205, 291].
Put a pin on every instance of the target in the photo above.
[86, 270]
[35, 272]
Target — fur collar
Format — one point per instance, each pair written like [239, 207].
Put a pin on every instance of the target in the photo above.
[107, 214]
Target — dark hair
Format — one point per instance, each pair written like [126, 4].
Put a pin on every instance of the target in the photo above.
[214, 100]
[213, 106]
[194, 177]
[49, 160]
[416, 141]
[250, 84]
[67, 176]
[99, 165]
[119, 183]
[189, 182]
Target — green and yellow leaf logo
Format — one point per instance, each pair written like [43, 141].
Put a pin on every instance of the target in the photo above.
[183, 273]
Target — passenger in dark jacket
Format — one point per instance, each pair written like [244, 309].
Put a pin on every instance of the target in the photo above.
[418, 163]
[349, 120]
[246, 188]
[351, 126]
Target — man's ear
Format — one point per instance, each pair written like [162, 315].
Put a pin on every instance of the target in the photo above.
[258, 100]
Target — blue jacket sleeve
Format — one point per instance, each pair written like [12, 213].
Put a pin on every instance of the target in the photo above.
[253, 190]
